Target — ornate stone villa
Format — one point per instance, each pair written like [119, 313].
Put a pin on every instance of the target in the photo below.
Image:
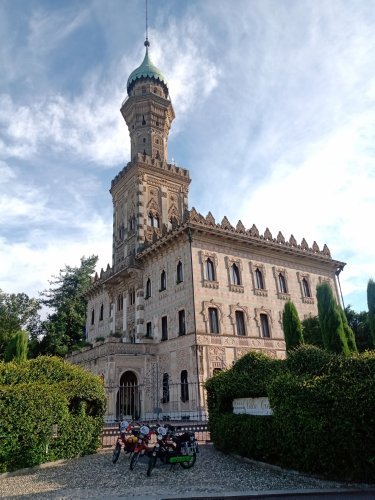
[186, 295]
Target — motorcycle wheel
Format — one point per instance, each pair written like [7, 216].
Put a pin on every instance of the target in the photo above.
[188, 465]
[134, 460]
[151, 464]
[116, 453]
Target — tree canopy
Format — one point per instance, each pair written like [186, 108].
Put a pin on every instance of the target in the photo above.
[65, 325]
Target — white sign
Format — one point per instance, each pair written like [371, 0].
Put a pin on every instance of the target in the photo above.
[252, 406]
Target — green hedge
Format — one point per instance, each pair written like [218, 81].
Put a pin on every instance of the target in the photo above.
[37, 394]
[323, 412]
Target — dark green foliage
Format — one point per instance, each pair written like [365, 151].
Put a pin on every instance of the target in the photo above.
[371, 307]
[252, 370]
[292, 326]
[330, 321]
[38, 393]
[249, 436]
[348, 332]
[17, 312]
[16, 348]
[308, 360]
[311, 331]
[359, 323]
[65, 327]
[323, 412]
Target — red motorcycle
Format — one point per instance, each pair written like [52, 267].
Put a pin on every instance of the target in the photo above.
[141, 447]
[127, 439]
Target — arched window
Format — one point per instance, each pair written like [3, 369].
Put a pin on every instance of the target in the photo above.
[150, 219]
[213, 319]
[236, 279]
[264, 325]
[92, 316]
[165, 398]
[181, 322]
[120, 302]
[164, 328]
[184, 386]
[156, 221]
[240, 323]
[179, 274]
[148, 289]
[101, 313]
[282, 284]
[259, 279]
[163, 281]
[131, 296]
[210, 270]
[306, 288]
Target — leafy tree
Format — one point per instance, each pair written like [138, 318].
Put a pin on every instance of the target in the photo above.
[333, 333]
[311, 331]
[371, 307]
[16, 349]
[65, 326]
[292, 326]
[359, 323]
[18, 312]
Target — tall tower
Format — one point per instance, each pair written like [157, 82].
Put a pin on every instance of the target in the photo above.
[149, 194]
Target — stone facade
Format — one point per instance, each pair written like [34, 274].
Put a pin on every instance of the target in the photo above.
[185, 296]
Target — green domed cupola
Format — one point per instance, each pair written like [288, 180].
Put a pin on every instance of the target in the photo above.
[147, 70]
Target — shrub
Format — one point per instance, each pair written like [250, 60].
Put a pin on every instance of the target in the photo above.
[36, 394]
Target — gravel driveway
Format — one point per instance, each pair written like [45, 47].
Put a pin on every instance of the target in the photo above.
[95, 477]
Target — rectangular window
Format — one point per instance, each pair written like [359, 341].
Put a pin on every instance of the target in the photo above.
[149, 329]
[265, 326]
[240, 323]
[213, 320]
[164, 328]
[181, 322]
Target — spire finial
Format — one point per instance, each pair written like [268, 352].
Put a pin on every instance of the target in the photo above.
[147, 43]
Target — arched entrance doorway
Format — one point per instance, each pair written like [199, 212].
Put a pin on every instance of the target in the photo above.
[128, 402]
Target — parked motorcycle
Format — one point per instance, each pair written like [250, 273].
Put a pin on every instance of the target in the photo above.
[173, 449]
[141, 447]
[127, 440]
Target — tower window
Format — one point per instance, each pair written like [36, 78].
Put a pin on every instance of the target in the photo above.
[165, 398]
[101, 313]
[149, 329]
[164, 328]
[120, 302]
[236, 279]
[240, 323]
[210, 270]
[163, 281]
[92, 316]
[144, 139]
[181, 322]
[282, 284]
[264, 325]
[132, 296]
[179, 274]
[306, 288]
[148, 288]
[213, 319]
[184, 386]
[259, 279]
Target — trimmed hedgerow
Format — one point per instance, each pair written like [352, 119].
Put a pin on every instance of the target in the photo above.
[38, 394]
[323, 412]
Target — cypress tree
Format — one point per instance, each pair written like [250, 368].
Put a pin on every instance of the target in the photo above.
[292, 326]
[16, 349]
[330, 321]
[349, 334]
[371, 307]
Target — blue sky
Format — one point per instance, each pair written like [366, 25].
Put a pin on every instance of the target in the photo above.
[275, 119]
